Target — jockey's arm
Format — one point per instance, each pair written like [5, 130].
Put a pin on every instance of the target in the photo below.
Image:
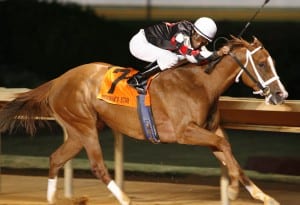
[198, 56]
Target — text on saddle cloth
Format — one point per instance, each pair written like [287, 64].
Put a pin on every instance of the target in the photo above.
[115, 90]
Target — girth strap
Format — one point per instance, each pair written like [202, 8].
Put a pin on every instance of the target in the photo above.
[146, 119]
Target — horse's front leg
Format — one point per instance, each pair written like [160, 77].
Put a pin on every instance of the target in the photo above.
[196, 135]
[233, 189]
[254, 191]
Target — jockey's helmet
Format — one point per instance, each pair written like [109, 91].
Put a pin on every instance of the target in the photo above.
[206, 27]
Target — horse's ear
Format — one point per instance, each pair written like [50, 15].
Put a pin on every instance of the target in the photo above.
[236, 39]
[233, 37]
[256, 42]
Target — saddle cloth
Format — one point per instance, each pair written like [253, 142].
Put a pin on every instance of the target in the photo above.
[115, 90]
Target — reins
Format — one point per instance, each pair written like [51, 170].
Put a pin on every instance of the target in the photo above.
[261, 84]
[265, 90]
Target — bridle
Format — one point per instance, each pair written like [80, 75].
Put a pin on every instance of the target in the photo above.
[264, 89]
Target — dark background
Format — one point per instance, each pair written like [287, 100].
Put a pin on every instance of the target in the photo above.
[40, 40]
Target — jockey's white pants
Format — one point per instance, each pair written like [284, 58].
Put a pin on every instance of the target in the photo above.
[143, 50]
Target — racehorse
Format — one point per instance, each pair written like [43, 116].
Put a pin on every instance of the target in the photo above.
[184, 103]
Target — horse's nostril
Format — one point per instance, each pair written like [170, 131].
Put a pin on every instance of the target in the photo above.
[281, 95]
[278, 98]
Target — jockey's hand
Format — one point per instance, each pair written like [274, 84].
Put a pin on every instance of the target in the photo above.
[223, 51]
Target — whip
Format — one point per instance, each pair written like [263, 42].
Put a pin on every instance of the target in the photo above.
[253, 17]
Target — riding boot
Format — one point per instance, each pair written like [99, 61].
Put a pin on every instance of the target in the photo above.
[140, 78]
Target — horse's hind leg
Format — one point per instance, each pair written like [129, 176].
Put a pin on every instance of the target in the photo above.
[69, 149]
[65, 152]
[74, 110]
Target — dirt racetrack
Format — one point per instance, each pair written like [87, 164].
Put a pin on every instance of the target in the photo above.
[28, 190]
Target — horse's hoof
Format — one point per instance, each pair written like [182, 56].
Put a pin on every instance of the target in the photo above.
[271, 201]
[80, 200]
[126, 203]
[125, 200]
[233, 192]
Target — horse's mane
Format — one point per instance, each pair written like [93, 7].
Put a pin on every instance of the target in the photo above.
[234, 43]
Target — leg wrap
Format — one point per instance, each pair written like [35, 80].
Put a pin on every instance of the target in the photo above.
[51, 190]
[118, 193]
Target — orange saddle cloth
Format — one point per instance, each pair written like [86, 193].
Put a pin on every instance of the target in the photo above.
[115, 90]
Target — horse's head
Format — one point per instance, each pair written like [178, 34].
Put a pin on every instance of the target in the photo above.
[258, 70]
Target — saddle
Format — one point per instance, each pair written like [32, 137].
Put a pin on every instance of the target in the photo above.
[115, 90]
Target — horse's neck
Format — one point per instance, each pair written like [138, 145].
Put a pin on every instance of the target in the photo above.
[227, 69]
[215, 83]
[225, 73]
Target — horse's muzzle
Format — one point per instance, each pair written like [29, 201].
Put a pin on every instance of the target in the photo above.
[276, 98]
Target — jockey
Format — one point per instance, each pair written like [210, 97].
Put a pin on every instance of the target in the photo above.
[164, 44]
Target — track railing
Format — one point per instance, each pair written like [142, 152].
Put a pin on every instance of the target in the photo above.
[236, 113]
[254, 114]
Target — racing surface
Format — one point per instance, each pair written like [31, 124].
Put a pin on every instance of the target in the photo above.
[31, 190]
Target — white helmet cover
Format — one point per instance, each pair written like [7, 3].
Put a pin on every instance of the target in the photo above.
[206, 27]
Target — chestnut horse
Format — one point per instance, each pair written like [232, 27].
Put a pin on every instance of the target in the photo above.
[184, 104]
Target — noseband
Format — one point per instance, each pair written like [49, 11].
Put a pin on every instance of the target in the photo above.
[261, 84]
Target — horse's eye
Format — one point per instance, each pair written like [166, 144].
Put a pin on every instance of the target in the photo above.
[262, 65]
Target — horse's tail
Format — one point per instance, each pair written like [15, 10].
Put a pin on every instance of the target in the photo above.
[25, 109]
